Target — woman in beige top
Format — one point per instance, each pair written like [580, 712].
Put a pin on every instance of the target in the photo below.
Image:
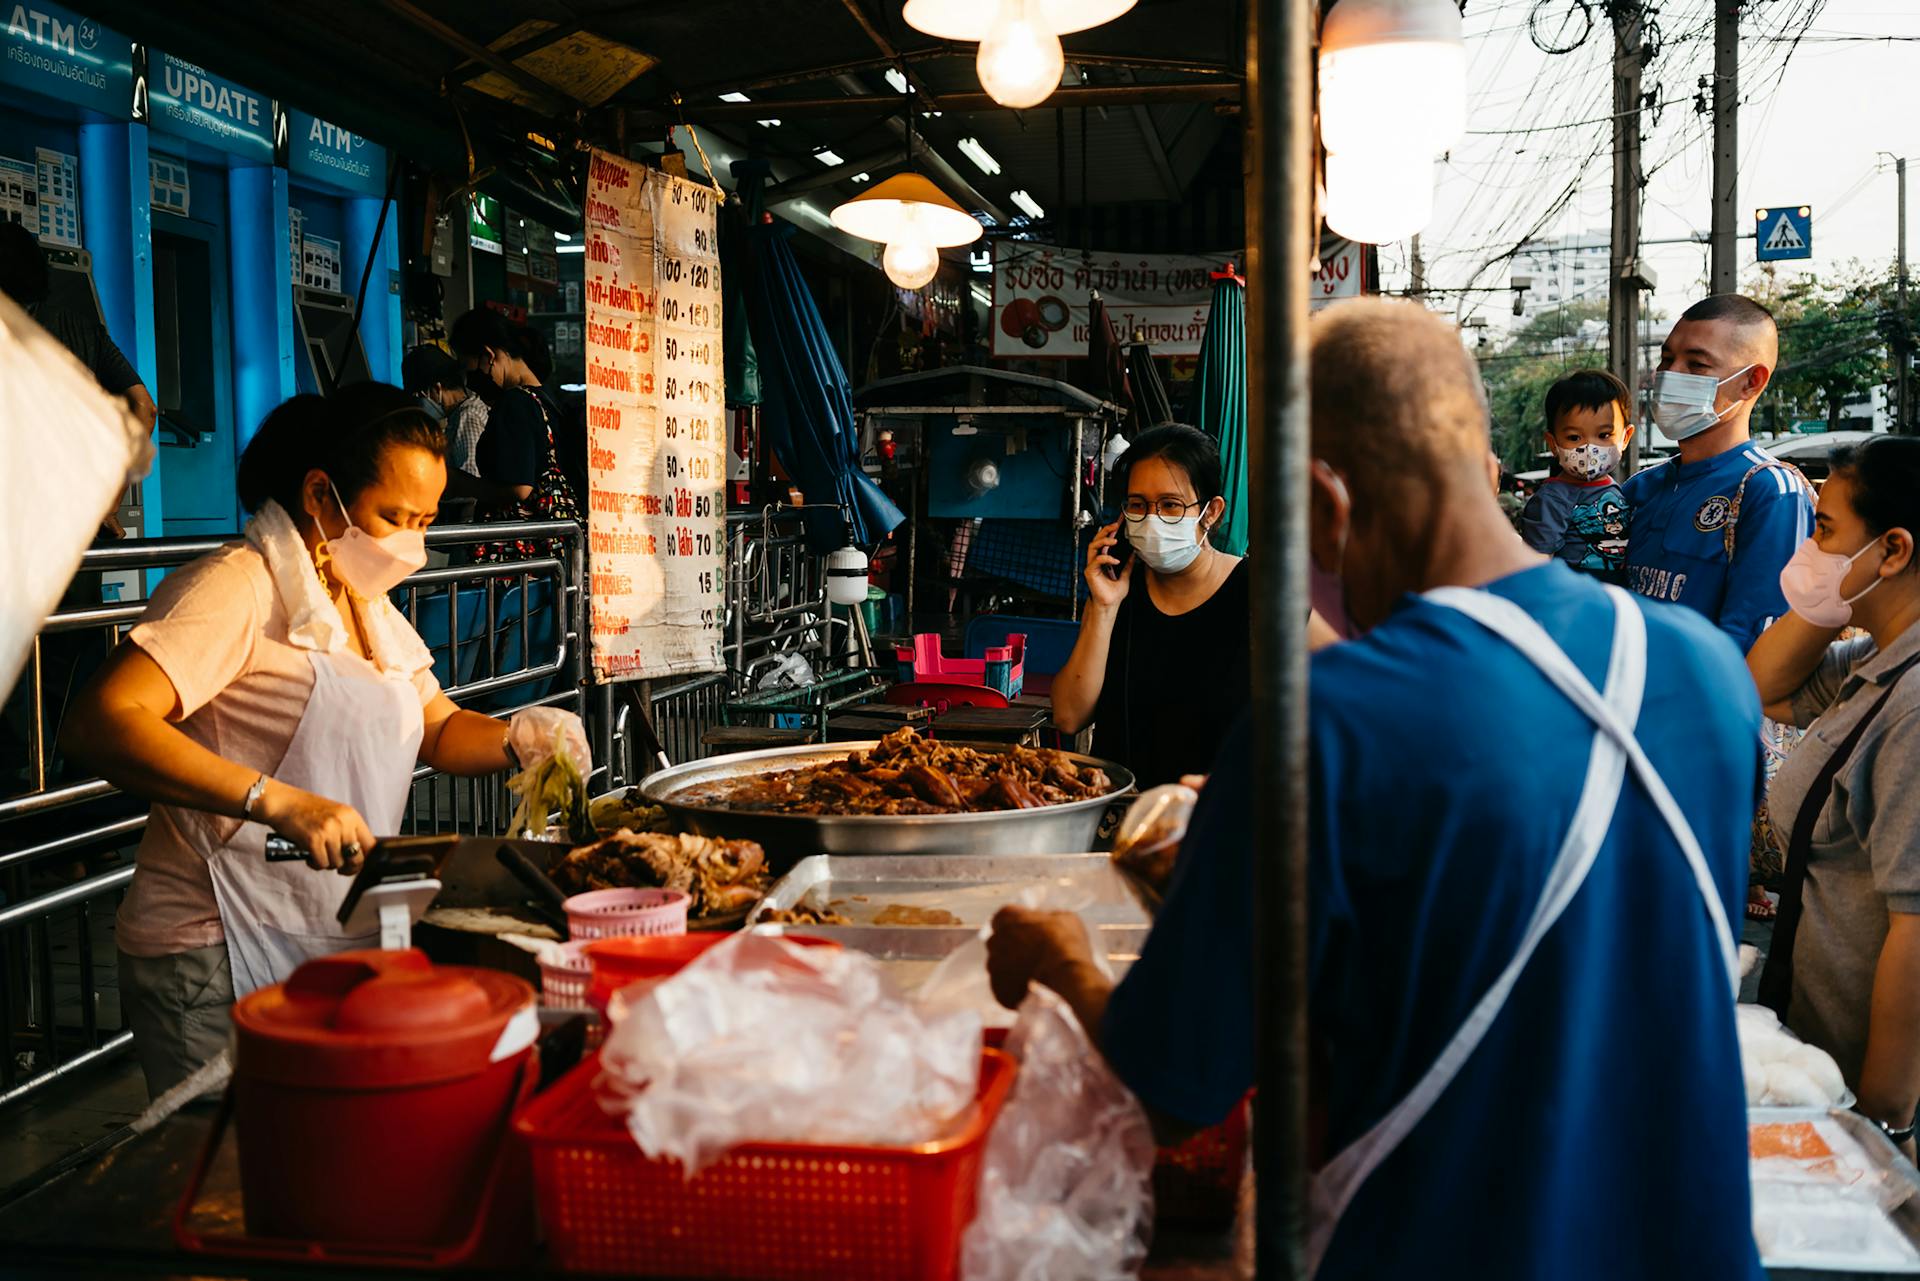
[271, 686]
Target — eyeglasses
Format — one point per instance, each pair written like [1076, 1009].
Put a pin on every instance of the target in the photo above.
[1171, 510]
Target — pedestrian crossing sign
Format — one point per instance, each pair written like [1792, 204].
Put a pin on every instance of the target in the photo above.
[1783, 233]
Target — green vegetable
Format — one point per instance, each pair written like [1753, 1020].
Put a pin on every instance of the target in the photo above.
[554, 786]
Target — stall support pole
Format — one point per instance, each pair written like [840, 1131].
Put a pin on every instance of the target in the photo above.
[1280, 183]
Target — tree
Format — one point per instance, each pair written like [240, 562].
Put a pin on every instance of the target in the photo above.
[1833, 346]
[1531, 359]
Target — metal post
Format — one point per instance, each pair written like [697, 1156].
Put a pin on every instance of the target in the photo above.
[1902, 338]
[1280, 182]
[1623, 301]
[1724, 274]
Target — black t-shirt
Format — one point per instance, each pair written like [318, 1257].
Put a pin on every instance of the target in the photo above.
[513, 449]
[86, 338]
[1174, 682]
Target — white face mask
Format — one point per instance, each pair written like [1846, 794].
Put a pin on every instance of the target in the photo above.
[1683, 403]
[1588, 462]
[1812, 580]
[371, 567]
[1165, 549]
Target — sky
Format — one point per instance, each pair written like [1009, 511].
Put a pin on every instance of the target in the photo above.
[1538, 152]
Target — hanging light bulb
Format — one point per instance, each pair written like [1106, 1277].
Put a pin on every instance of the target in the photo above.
[971, 20]
[910, 264]
[1379, 198]
[1393, 91]
[1020, 61]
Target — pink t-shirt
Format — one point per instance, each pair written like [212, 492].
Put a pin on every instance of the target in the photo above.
[217, 628]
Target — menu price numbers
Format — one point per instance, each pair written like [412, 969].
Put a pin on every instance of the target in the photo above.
[697, 467]
[706, 618]
[684, 542]
[698, 430]
[702, 240]
[706, 580]
[698, 198]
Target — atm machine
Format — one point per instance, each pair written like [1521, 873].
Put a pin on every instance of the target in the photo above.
[331, 353]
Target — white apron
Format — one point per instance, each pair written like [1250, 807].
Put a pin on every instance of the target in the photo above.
[1614, 750]
[356, 744]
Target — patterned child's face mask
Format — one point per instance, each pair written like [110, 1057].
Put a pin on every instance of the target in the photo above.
[1588, 462]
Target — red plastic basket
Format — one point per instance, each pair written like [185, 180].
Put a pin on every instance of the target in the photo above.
[776, 1211]
[1196, 1186]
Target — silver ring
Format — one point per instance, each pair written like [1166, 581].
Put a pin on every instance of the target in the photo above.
[353, 849]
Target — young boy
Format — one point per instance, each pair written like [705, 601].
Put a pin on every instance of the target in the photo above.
[1578, 514]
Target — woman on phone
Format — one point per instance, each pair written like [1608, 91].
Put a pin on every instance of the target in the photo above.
[1160, 668]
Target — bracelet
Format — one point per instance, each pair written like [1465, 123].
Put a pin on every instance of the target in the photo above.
[254, 794]
[1896, 1137]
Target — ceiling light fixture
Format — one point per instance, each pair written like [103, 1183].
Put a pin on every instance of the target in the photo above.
[735, 96]
[1028, 203]
[1393, 91]
[770, 124]
[1020, 61]
[972, 150]
[898, 81]
[828, 156]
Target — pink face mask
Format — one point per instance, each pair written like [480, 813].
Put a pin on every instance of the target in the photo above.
[371, 567]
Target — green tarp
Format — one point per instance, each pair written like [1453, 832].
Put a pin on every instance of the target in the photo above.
[1220, 403]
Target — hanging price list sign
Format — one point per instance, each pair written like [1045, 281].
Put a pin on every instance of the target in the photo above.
[656, 523]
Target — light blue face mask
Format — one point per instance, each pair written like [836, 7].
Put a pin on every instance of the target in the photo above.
[1683, 403]
[1164, 548]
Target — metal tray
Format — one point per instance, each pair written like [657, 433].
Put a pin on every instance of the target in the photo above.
[971, 887]
[1905, 1217]
[788, 838]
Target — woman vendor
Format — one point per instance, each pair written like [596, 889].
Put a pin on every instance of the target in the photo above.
[1844, 966]
[1160, 667]
[272, 687]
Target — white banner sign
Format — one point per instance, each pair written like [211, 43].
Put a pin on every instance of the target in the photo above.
[656, 523]
[1042, 295]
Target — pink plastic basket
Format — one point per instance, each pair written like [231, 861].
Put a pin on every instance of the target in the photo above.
[930, 665]
[605, 914]
[564, 986]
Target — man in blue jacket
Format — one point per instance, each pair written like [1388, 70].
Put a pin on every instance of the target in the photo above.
[1714, 526]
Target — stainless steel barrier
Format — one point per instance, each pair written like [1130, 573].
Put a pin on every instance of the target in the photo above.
[506, 636]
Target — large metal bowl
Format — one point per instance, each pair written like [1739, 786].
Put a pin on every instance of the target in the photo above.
[787, 838]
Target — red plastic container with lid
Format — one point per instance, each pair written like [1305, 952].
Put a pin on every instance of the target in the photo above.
[371, 1093]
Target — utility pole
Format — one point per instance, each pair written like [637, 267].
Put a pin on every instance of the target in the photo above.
[1902, 340]
[1623, 297]
[1724, 273]
[1418, 267]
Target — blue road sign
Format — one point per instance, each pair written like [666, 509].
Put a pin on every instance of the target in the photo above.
[1783, 233]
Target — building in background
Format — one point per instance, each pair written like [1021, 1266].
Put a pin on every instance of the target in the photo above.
[1562, 270]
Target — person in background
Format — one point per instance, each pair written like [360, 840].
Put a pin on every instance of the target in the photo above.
[1713, 527]
[1578, 515]
[1474, 1026]
[436, 377]
[271, 687]
[520, 473]
[1160, 665]
[1844, 966]
[26, 278]
[567, 414]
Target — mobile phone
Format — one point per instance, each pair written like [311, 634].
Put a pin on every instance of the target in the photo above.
[1119, 551]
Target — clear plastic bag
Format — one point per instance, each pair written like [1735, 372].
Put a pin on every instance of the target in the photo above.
[762, 1040]
[1066, 1186]
[1148, 842]
[960, 982]
[1781, 1070]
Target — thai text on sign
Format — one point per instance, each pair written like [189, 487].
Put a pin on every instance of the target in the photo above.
[656, 519]
[1042, 295]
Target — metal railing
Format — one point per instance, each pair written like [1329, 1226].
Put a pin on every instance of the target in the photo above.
[512, 637]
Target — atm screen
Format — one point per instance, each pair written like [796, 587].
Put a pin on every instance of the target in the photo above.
[335, 354]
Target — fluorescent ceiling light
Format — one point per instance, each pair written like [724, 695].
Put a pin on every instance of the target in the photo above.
[986, 299]
[862, 176]
[1028, 203]
[735, 96]
[561, 235]
[898, 81]
[569, 249]
[972, 150]
[769, 124]
[828, 156]
[812, 213]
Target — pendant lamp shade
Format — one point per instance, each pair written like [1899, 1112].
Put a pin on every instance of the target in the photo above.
[973, 20]
[907, 209]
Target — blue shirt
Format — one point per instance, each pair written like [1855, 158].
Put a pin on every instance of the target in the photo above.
[1599, 1131]
[1677, 551]
[1581, 523]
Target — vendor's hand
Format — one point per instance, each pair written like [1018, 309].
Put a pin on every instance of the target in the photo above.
[530, 735]
[1105, 591]
[333, 835]
[1028, 946]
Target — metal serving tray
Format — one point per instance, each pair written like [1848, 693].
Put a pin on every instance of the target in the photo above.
[970, 886]
[790, 837]
[1905, 1217]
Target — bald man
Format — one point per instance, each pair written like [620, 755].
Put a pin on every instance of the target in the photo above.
[1714, 526]
[1507, 937]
